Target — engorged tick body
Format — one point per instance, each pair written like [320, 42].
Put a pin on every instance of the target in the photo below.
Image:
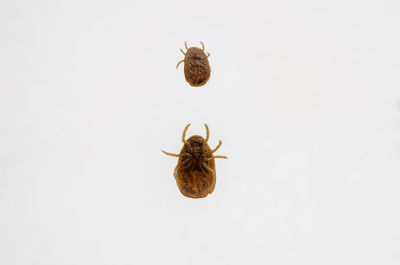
[196, 66]
[195, 171]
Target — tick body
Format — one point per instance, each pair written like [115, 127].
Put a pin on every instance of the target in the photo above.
[196, 67]
[195, 171]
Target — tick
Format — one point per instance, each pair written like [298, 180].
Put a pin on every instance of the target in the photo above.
[196, 67]
[195, 171]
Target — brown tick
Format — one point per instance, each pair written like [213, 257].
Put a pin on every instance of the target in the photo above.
[195, 171]
[197, 69]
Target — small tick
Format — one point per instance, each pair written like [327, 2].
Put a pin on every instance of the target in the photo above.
[195, 171]
[197, 69]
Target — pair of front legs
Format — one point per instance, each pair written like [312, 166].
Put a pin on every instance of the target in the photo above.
[202, 45]
[207, 137]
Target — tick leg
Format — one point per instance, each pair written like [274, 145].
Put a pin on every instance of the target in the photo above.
[183, 167]
[208, 168]
[187, 165]
[207, 132]
[202, 45]
[211, 158]
[216, 148]
[182, 52]
[186, 45]
[170, 154]
[208, 54]
[184, 133]
[179, 64]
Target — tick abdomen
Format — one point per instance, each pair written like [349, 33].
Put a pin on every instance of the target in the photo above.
[195, 184]
[197, 69]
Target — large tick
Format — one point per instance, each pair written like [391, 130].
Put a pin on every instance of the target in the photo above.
[195, 171]
[197, 69]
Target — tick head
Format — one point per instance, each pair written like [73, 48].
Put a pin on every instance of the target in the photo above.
[196, 146]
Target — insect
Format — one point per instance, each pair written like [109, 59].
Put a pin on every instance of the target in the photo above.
[197, 69]
[195, 171]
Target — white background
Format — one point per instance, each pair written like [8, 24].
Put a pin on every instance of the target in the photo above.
[304, 94]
